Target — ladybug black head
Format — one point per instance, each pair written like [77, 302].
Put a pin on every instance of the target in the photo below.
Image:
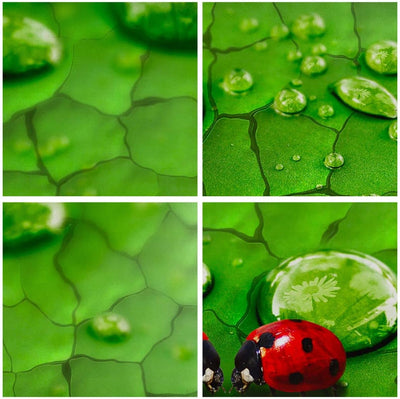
[212, 374]
[247, 367]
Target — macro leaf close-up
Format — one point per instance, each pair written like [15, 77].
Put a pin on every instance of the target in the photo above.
[100, 99]
[300, 99]
[99, 299]
[333, 264]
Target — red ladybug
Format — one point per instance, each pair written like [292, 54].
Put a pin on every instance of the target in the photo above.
[212, 374]
[290, 356]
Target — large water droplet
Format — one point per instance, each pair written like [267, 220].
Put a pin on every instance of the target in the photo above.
[290, 101]
[249, 25]
[334, 160]
[110, 327]
[393, 130]
[237, 81]
[366, 96]
[351, 294]
[28, 45]
[326, 111]
[313, 65]
[279, 32]
[382, 57]
[308, 26]
[26, 222]
[207, 280]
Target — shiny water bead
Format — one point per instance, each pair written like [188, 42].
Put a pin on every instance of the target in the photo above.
[296, 157]
[110, 327]
[296, 82]
[393, 130]
[308, 26]
[279, 167]
[312, 98]
[53, 146]
[367, 96]
[237, 262]
[28, 45]
[249, 25]
[352, 294]
[127, 62]
[313, 65]
[279, 32]
[290, 101]
[319, 49]
[261, 46]
[382, 57]
[319, 186]
[26, 222]
[207, 280]
[237, 81]
[326, 111]
[334, 160]
[294, 55]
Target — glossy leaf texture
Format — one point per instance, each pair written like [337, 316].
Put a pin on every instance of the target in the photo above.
[246, 142]
[135, 260]
[116, 116]
[243, 242]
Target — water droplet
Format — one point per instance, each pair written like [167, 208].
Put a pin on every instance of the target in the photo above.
[308, 26]
[27, 222]
[28, 45]
[279, 32]
[313, 65]
[393, 130]
[261, 46]
[279, 167]
[53, 146]
[207, 280]
[319, 49]
[110, 327]
[382, 57]
[290, 101]
[312, 98]
[319, 186]
[326, 111]
[294, 55]
[296, 82]
[237, 262]
[249, 25]
[296, 158]
[314, 286]
[366, 96]
[127, 62]
[237, 81]
[22, 145]
[342, 384]
[206, 238]
[334, 160]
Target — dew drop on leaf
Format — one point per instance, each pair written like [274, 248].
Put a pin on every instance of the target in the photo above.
[237, 81]
[296, 82]
[294, 55]
[279, 167]
[319, 186]
[249, 25]
[308, 26]
[319, 49]
[393, 130]
[261, 46]
[382, 57]
[53, 146]
[207, 280]
[313, 65]
[296, 158]
[367, 96]
[110, 327]
[237, 262]
[350, 293]
[28, 45]
[312, 98]
[290, 101]
[279, 32]
[334, 160]
[326, 111]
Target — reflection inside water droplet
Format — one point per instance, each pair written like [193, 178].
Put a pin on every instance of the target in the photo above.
[346, 292]
[308, 26]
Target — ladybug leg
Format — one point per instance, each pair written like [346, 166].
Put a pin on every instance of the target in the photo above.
[272, 391]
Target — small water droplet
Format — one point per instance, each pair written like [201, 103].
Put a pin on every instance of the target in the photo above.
[290, 101]
[249, 25]
[53, 145]
[319, 49]
[207, 280]
[296, 82]
[326, 111]
[237, 81]
[279, 167]
[313, 65]
[393, 130]
[279, 32]
[308, 26]
[319, 186]
[367, 96]
[342, 384]
[296, 157]
[294, 55]
[382, 57]
[334, 160]
[261, 46]
[237, 262]
[312, 98]
[110, 327]
[127, 62]
[22, 145]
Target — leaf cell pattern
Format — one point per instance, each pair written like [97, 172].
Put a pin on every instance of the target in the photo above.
[262, 236]
[54, 288]
[245, 139]
[116, 117]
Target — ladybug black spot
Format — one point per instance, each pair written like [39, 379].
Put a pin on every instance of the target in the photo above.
[307, 345]
[296, 378]
[333, 367]
[266, 340]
